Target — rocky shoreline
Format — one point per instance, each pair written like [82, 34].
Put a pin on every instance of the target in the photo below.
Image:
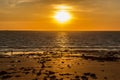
[59, 66]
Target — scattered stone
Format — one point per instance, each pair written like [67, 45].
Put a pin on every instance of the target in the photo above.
[43, 66]
[26, 72]
[77, 77]
[61, 79]
[12, 61]
[61, 67]
[18, 61]
[75, 72]
[21, 68]
[45, 78]
[48, 66]
[84, 78]
[65, 74]
[51, 72]
[3, 72]
[105, 78]
[62, 62]
[33, 71]
[87, 74]
[53, 77]
[17, 76]
[35, 79]
[39, 73]
[101, 58]
[68, 66]
[92, 75]
[11, 69]
[6, 77]
[102, 70]
[48, 60]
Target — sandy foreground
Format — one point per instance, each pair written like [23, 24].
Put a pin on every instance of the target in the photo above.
[53, 66]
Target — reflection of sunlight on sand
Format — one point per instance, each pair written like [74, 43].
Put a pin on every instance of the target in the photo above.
[63, 66]
[62, 39]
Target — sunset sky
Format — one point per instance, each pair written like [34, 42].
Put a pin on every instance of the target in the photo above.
[40, 14]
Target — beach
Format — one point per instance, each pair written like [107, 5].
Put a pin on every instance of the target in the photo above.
[58, 65]
[32, 55]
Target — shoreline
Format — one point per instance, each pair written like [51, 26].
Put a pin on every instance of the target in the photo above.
[57, 66]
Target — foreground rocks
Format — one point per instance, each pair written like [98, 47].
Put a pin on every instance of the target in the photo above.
[35, 66]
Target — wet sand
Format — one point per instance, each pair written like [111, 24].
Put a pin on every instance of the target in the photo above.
[58, 66]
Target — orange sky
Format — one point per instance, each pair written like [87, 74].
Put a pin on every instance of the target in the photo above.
[38, 15]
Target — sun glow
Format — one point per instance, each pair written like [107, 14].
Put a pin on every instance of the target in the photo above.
[63, 7]
[62, 14]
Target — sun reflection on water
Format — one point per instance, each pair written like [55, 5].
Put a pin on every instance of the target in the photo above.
[62, 39]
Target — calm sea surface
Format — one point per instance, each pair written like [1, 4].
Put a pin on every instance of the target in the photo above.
[81, 40]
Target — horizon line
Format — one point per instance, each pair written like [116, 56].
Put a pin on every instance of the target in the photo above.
[63, 30]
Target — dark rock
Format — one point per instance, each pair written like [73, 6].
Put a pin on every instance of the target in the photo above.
[84, 78]
[6, 76]
[87, 74]
[65, 74]
[48, 66]
[62, 62]
[3, 72]
[93, 76]
[102, 70]
[53, 77]
[11, 69]
[45, 78]
[68, 66]
[105, 78]
[101, 58]
[12, 61]
[39, 73]
[61, 78]
[22, 68]
[18, 61]
[77, 77]
[26, 72]
[35, 79]
[51, 72]
[33, 71]
[17, 76]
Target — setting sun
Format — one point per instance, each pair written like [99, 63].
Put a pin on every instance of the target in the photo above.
[62, 13]
[62, 16]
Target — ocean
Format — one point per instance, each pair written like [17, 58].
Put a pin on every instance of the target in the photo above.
[84, 40]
